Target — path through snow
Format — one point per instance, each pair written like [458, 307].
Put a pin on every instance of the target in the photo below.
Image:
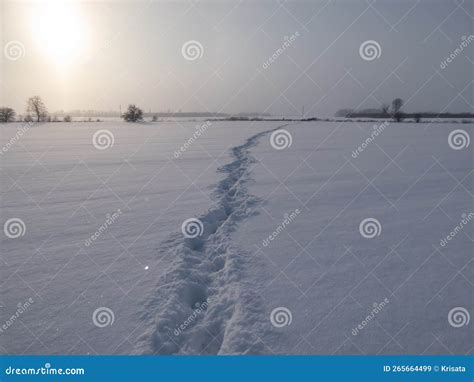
[203, 303]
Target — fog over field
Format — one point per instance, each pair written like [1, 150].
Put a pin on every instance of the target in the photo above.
[201, 178]
[239, 56]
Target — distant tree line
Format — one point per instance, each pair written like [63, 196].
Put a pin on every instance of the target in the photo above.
[36, 111]
[395, 112]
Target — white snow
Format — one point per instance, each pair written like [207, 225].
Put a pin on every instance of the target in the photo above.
[214, 294]
[329, 276]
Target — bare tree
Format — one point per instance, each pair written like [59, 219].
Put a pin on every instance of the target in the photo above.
[397, 114]
[7, 114]
[384, 109]
[397, 104]
[36, 105]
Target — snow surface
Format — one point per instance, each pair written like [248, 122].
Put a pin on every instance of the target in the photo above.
[328, 275]
[214, 294]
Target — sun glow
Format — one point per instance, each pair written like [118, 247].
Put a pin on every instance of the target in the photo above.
[59, 31]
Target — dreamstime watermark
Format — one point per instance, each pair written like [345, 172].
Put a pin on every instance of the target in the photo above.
[21, 308]
[376, 309]
[377, 130]
[287, 41]
[458, 317]
[14, 50]
[110, 219]
[281, 139]
[14, 228]
[280, 317]
[103, 139]
[370, 228]
[45, 370]
[199, 308]
[287, 220]
[192, 50]
[466, 219]
[197, 133]
[466, 40]
[370, 50]
[19, 133]
[459, 139]
[192, 228]
[103, 317]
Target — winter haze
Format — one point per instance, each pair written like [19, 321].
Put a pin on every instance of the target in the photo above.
[98, 55]
[232, 207]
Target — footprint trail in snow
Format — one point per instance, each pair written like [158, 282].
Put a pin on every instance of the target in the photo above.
[202, 303]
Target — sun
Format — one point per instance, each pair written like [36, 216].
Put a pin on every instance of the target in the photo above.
[59, 31]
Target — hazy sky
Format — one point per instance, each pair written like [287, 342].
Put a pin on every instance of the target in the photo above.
[98, 55]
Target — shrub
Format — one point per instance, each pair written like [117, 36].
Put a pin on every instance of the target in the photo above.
[7, 114]
[133, 114]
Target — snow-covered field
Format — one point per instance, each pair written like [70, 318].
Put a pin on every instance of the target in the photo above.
[101, 262]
